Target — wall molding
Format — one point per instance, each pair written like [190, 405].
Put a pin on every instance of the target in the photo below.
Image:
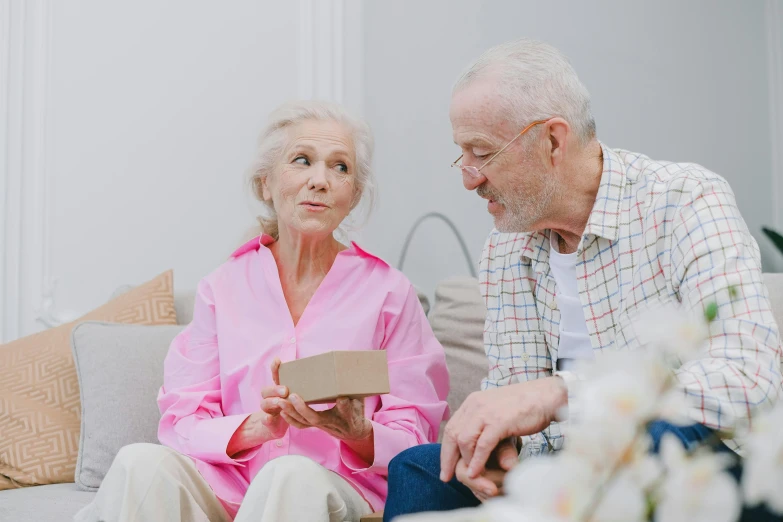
[11, 96]
[774, 22]
[330, 51]
[25, 268]
[5, 51]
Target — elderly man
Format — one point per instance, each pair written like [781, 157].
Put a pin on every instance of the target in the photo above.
[585, 236]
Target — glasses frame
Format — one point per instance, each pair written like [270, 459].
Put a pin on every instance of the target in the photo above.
[474, 172]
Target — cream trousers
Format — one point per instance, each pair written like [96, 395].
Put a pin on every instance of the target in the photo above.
[151, 483]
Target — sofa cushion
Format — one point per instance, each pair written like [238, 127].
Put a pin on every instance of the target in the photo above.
[53, 503]
[120, 369]
[39, 392]
[457, 319]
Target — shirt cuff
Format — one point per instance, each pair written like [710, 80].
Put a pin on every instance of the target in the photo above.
[210, 437]
[387, 444]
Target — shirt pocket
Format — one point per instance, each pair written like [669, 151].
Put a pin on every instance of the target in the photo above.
[524, 355]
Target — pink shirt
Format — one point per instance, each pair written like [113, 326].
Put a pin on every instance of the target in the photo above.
[216, 368]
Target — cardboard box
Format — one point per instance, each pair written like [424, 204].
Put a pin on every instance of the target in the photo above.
[374, 517]
[325, 377]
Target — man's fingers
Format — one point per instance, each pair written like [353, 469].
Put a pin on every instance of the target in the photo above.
[507, 455]
[486, 444]
[449, 455]
[469, 437]
[496, 476]
[449, 449]
[481, 485]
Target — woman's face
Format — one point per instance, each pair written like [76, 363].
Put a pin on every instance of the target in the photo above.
[312, 188]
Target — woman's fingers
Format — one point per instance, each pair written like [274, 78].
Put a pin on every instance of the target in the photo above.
[272, 406]
[276, 370]
[292, 421]
[274, 391]
[290, 411]
[308, 414]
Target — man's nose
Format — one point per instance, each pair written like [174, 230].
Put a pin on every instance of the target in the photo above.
[470, 182]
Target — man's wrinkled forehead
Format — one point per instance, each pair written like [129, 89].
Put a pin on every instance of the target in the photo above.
[476, 111]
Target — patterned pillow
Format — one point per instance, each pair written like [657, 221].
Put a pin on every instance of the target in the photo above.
[39, 391]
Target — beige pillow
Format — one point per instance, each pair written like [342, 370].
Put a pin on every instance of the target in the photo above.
[39, 391]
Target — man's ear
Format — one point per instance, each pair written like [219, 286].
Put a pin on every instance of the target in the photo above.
[557, 131]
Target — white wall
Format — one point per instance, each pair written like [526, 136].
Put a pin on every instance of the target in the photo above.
[126, 127]
[127, 130]
[681, 81]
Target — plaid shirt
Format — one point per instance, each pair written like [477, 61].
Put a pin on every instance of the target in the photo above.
[659, 232]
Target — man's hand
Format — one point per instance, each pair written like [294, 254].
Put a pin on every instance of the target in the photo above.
[490, 483]
[487, 417]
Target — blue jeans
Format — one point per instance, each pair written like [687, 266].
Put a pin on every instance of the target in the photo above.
[415, 486]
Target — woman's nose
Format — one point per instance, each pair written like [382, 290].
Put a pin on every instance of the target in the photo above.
[318, 176]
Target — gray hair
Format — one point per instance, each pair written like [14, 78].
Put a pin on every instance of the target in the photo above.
[536, 81]
[274, 138]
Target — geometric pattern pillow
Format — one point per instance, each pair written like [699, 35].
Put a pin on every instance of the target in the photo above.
[39, 391]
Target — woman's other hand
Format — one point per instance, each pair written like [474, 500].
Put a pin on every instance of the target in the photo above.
[264, 425]
[272, 399]
[344, 421]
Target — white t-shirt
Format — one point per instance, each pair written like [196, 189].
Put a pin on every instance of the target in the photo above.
[574, 340]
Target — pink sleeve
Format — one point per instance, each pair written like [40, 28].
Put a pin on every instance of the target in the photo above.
[190, 399]
[419, 380]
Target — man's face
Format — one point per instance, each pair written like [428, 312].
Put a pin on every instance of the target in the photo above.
[515, 183]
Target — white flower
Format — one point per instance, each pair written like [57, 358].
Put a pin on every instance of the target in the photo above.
[762, 476]
[672, 331]
[559, 486]
[623, 501]
[696, 488]
[622, 387]
[501, 509]
[563, 488]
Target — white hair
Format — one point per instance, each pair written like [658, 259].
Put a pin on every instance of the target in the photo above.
[536, 81]
[274, 138]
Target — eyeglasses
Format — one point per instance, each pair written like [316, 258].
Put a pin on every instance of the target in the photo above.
[474, 172]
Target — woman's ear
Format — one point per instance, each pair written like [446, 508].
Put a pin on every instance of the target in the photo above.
[265, 192]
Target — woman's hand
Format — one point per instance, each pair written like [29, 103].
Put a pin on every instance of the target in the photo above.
[345, 421]
[265, 425]
[272, 401]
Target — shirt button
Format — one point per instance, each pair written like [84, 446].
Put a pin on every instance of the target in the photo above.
[292, 340]
[525, 357]
[279, 443]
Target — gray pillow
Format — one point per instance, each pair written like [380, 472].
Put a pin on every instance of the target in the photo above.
[457, 320]
[120, 370]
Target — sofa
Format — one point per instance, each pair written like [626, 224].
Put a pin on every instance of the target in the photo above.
[456, 316]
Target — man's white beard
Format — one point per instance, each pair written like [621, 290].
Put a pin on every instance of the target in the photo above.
[520, 214]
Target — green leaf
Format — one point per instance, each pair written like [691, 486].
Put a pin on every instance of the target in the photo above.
[649, 506]
[733, 292]
[776, 238]
[711, 312]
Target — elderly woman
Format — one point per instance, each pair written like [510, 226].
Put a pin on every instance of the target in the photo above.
[238, 445]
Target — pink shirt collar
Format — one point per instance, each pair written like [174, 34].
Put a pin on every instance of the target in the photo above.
[265, 240]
